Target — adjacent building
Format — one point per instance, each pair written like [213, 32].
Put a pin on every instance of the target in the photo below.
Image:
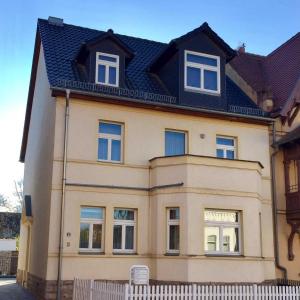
[140, 152]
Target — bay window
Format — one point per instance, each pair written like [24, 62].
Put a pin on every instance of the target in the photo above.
[222, 232]
[173, 235]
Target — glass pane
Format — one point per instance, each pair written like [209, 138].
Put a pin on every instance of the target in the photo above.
[107, 58]
[193, 76]
[202, 60]
[129, 237]
[212, 243]
[112, 75]
[174, 213]
[123, 214]
[97, 236]
[225, 141]
[230, 154]
[230, 239]
[102, 149]
[116, 150]
[210, 80]
[174, 237]
[117, 240]
[91, 213]
[212, 238]
[84, 235]
[226, 243]
[110, 128]
[220, 153]
[221, 216]
[174, 143]
[101, 73]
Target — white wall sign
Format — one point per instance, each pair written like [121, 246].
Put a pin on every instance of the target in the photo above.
[139, 274]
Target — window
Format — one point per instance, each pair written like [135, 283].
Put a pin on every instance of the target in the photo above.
[175, 143]
[110, 142]
[107, 69]
[91, 229]
[201, 72]
[226, 147]
[173, 230]
[124, 230]
[222, 232]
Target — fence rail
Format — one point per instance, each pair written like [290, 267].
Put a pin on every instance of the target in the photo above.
[96, 290]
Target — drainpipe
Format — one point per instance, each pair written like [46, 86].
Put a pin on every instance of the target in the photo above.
[274, 206]
[62, 208]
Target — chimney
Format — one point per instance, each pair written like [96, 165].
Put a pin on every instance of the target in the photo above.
[242, 48]
[56, 21]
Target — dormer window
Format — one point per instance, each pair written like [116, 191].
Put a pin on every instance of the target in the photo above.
[201, 72]
[107, 69]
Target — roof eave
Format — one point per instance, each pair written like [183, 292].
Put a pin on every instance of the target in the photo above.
[37, 46]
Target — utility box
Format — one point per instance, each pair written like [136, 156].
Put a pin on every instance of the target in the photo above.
[139, 275]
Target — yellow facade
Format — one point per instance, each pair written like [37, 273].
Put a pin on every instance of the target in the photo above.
[198, 181]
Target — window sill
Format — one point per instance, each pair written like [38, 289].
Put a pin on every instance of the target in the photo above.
[199, 91]
[238, 255]
[110, 162]
[171, 254]
[91, 253]
[125, 253]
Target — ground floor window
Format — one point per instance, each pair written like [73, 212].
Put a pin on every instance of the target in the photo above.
[124, 230]
[91, 229]
[173, 235]
[222, 232]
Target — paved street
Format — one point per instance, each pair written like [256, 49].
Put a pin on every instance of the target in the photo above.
[9, 290]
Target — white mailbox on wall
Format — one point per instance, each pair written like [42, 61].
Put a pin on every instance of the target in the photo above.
[139, 275]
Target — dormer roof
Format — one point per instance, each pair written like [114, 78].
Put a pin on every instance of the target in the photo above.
[173, 45]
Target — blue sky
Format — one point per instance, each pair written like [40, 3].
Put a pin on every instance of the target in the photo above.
[262, 25]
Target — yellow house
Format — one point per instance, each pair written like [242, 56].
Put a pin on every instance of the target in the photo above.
[139, 152]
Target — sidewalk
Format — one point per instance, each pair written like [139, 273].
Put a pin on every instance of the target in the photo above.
[9, 290]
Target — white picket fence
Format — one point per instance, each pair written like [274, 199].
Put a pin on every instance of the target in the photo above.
[97, 290]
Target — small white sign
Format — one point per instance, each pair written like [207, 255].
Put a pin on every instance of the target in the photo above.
[139, 275]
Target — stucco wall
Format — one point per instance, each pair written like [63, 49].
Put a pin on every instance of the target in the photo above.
[38, 173]
[208, 183]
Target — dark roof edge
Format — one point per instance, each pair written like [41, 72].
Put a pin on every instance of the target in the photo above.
[58, 91]
[37, 47]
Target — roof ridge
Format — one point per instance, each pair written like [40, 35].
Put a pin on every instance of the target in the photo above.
[102, 31]
[255, 54]
[284, 44]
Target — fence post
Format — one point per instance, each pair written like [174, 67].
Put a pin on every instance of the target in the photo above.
[126, 291]
[194, 291]
[91, 289]
[255, 292]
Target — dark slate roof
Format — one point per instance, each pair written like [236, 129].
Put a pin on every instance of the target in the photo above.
[61, 45]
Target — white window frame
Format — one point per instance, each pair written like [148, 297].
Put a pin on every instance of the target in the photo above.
[221, 226]
[226, 147]
[107, 64]
[91, 223]
[202, 67]
[111, 137]
[169, 223]
[124, 224]
[185, 138]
